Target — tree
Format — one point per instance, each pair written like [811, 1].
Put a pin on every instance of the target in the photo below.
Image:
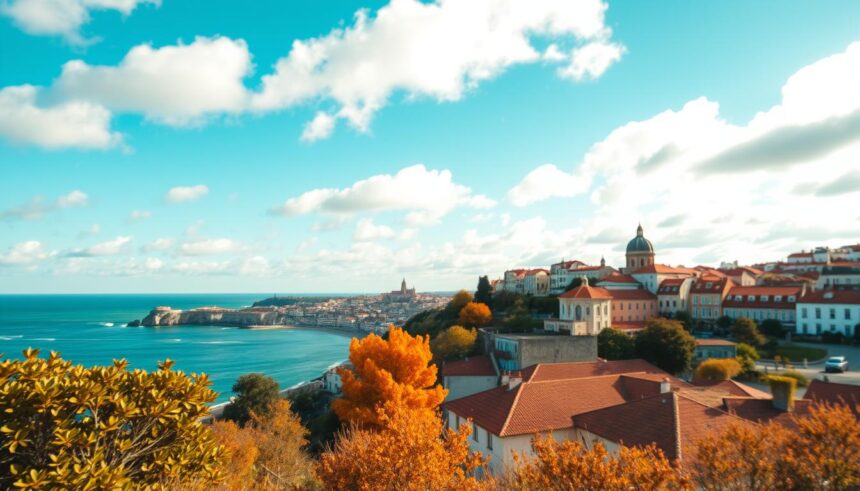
[685, 318]
[410, 451]
[717, 369]
[519, 319]
[574, 283]
[484, 293]
[394, 371]
[666, 344]
[745, 331]
[453, 343]
[268, 453]
[64, 426]
[570, 465]
[724, 322]
[819, 451]
[772, 327]
[613, 344]
[747, 356]
[255, 394]
[504, 300]
[475, 314]
[456, 304]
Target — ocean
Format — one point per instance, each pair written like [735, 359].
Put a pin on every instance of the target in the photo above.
[90, 330]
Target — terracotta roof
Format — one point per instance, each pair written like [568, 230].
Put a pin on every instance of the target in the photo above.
[618, 278]
[543, 372]
[632, 294]
[671, 421]
[589, 268]
[671, 285]
[587, 291]
[762, 410]
[718, 284]
[475, 366]
[713, 393]
[663, 269]
[800, 254]
[832, 296]
[834, 393]
[714, 342]
[758, 291]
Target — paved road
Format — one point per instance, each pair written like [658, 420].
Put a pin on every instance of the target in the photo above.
[852, 376]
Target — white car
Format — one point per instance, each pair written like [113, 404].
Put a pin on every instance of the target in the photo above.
[836, 364]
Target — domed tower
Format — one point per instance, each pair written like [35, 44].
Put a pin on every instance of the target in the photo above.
[640, 252]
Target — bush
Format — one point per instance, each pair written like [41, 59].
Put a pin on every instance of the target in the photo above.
[666, 344]
[832, 337]
[747, 356]
[717, 369]
[453, 343]
[800, 378]
[613, 344]
[746, 331]
[69, 427]
[475, 314]
[256, 394]
[772, 327]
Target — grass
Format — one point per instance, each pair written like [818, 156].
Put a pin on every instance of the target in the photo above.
[797, 353]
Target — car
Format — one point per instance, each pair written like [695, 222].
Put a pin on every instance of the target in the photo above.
[836, 364]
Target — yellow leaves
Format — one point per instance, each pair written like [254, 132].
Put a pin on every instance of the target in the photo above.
[454, 342]
[716, 369]
[475, 314]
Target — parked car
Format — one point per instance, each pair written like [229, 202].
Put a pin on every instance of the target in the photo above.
[836, 364]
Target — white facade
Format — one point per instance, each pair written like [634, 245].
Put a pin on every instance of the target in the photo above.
[827, 280]
[536, 282]
[465, 385]
[596, 313]
[816, 318]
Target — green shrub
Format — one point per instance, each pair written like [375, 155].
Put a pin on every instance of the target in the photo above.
[800, 378]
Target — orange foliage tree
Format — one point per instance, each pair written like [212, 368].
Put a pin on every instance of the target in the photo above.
[268, 453]
[821, 451]
[395, 371]
[475, 314]
[454, 342]
[410, 451]
[716, 369]
[569, 465]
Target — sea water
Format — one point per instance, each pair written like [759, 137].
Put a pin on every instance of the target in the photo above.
[91, 330]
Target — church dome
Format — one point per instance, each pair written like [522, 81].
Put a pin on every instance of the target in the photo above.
[640, 243]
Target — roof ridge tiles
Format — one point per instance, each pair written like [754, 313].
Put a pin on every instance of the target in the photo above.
[512, 409]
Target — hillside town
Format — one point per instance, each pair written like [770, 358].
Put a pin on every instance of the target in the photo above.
[809, 292]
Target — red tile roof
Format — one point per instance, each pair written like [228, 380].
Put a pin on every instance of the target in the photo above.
[667, 285]
[587, 291]
[758, 291]
[671, 421]
[714, 342]
[832, 296]
[543, 372]
[718, 284]
[834, 393]
[800, 254]
[632, 294]
[762, 410]
[663, 269]
[475, 366]
[618, 278]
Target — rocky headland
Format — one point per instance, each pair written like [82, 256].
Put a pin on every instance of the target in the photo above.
[213, 316]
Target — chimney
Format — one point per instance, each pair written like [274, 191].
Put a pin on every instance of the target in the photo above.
[782, 389]
[514, 379]
[506, 377]
[665, 386]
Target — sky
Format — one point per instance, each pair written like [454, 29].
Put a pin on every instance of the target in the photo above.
[305, 146]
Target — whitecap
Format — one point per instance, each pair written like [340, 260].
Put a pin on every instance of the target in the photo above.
[44, 339]
[107, 324]
[218, 342]
[10, 338]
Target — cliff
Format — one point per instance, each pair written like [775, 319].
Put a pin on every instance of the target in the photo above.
[254, 316]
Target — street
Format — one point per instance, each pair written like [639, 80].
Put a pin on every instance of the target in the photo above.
[816, 371]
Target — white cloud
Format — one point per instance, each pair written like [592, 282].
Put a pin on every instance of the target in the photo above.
[138, 215]
[366, 230]
[70, 124]
[731, 185]
[37, 207]
[318, 128]
[62, 17]
[185, 194]
[25, 253]
[202, 267]
[160, 244]
[546, 181]
[427, 195]
[175, 85]
[204, 247]
[436, 49]
[153, 264]
[592, 60]
[108, 248]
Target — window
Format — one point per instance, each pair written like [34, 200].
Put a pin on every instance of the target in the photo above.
[750, 298]
[792, 299]
[832, 313]
[847, 314]
[803, 312]
[474, 431]
[489, 440]
[764, 298]
[777, 298]
[817, 312]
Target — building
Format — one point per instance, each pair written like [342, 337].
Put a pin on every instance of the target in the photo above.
[761, 303]
[536, 282]
[640, 252]
[585, 310]
[832, 310]
[618, 281]
[706, 297]
[514, 351]
[652, 275]
[742, 276]
[633, 306]
[513, 280]
[469, 376]
[563, 273]
[673, 296]
[402, 295]
[839, 274]
[715, 348]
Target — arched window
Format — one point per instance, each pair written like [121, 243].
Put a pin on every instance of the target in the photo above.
[579, 312]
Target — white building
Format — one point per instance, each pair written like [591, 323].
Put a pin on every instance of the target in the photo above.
[836, 311]
[536, 282]
[673, 296]
[838, 275]
[585, 310]
[653, 274]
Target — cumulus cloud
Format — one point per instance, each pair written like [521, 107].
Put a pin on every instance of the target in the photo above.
[546, 181]
[62, 17]
[436, 49]
[138, 215]
[70, 124]
[426, 194]
[175, 85]
[108, 248]
[318, 128]
[37, 207]
[366, 230]
[159, 245]
[25, 253]
[691, 162]
[204, 247]
[185, 194]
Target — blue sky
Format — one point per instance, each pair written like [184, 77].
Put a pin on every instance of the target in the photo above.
[435, 140]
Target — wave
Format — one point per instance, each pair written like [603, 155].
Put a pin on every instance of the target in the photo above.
[336, 364]
[218, 342]
[10, 338]
[106, 324]
[173, 340]
[44, 339]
